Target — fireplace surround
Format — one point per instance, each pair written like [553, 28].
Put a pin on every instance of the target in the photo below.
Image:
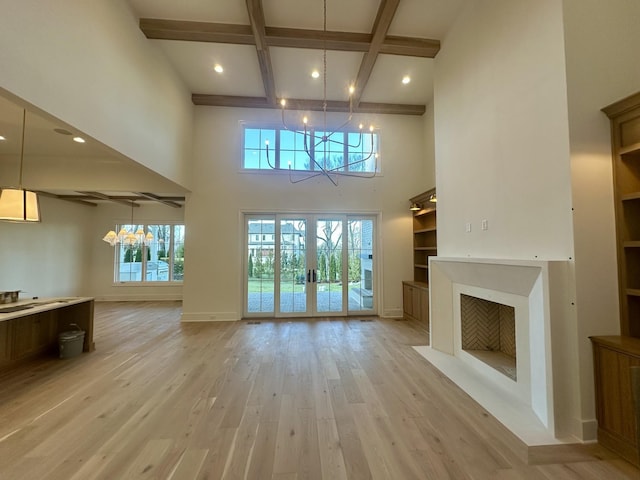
[537, 402]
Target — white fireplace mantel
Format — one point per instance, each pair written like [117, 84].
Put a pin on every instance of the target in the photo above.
[541, 404]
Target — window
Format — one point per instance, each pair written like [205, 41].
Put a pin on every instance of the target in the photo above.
[161, 261]
[342, 151]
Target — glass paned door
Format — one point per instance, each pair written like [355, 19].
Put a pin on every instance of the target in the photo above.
[360, 264]
[260, 282]
[328, 274]
[309, 265]
[293, 265]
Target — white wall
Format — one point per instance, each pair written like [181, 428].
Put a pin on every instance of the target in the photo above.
[602, 40]
[220, 193]
[88, 64]
[51, 258]
[501, 129]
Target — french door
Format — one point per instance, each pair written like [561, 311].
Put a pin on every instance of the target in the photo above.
[309, 265]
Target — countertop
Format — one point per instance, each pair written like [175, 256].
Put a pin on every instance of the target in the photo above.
[28, 307]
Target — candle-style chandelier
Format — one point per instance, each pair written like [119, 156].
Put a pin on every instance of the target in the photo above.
[129, 238]
[315, 144]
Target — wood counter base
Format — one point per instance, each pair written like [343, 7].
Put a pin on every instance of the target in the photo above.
[31, 332]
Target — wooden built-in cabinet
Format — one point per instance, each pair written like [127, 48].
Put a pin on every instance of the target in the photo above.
[625, 135]
[613, 358]
[615, 355]
[415, 301]
[424, 235]
[415, 293]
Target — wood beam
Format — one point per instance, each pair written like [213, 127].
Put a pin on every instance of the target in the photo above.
[160, 29]
[385, 15]
[307, 105]
[67, 199]
[256, 17]
[158, 199]
[285, 37]
[102, 196]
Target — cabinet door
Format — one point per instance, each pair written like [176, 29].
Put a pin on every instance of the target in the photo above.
[5, 343]
[424, 306]
[407, 300]
[23, 342]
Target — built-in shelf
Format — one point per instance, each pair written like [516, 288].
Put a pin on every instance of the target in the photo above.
[632, 149]
[632, 244]
[633, 292]
[630, 196]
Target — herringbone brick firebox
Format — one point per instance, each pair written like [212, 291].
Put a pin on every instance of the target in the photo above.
[489, 327]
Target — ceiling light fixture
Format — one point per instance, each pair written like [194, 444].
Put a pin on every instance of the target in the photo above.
[433, 198]
[2, 138]
[315, 74]
[406, 79]
[78, 139]
[415, 207]
[17, 204]
[218, 68]
[316, 144]
[129, 238]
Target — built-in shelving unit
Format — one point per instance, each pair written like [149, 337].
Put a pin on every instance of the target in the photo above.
[415, 293]
[625, 135]
[614, 356]
[424, 235]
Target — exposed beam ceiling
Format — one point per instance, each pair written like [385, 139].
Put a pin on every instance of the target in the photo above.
[102, 196]
[263, 37]
[380, 28]
[158, 199]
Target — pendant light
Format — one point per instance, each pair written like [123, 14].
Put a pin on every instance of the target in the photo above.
[17, 204]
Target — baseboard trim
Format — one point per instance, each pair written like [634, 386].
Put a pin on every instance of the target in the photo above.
[209, 317]
[139, 298]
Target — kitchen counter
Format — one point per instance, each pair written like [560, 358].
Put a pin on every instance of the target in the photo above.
[30, 328]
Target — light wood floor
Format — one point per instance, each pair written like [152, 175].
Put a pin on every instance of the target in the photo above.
[319, 399]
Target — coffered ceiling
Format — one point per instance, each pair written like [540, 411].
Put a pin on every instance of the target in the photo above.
[269, 48]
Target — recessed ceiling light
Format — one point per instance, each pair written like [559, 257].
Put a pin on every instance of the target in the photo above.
[78, 139]
[2, 138]
[315, 74]
[406, 79]
[218, 68]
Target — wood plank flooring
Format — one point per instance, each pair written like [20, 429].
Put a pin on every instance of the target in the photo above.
[288, 399]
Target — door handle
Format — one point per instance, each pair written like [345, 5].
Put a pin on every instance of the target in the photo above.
[309, 276]
[314, 276]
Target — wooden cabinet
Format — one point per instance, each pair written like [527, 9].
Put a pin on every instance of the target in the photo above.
[415, 294]
[415, 301]
[613, 358]
[33, 335]
[625, 135]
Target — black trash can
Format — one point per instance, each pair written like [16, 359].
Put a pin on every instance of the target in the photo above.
[70, 343]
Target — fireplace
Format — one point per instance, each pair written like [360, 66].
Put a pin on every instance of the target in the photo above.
[501, 330]
[488, 332]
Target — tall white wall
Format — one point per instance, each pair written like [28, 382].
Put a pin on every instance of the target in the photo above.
[88, 64]
[51, 258]
[214, 247]
[601, 40]
[501, 129]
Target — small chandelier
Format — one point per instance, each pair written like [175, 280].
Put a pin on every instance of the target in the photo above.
[17, 204]
[129, 238]
[314, 143]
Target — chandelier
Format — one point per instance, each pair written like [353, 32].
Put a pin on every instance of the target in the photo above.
[129, 238]
[314, 143]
